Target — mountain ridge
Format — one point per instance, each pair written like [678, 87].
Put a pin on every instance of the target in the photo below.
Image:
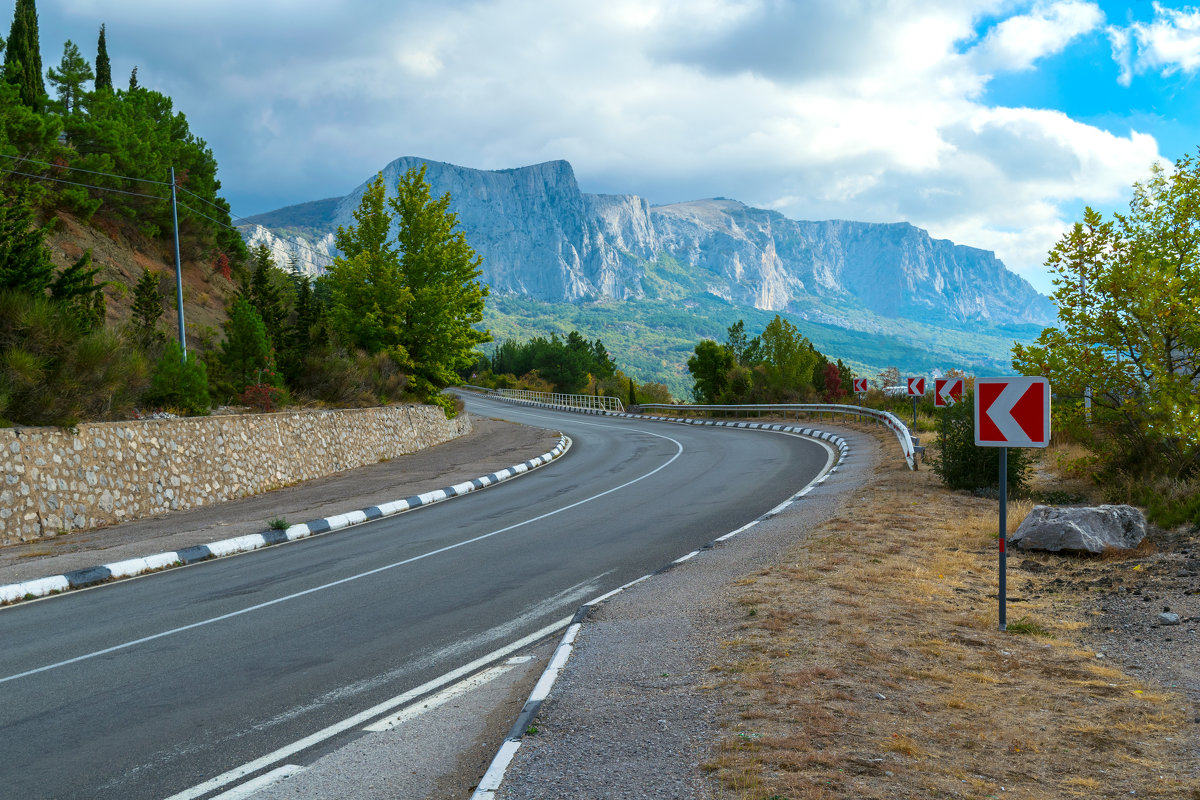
[544, 239]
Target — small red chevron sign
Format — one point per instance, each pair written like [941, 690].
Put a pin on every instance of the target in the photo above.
[916, 387]
[860, 385]
[947, 391]
[1012, 412]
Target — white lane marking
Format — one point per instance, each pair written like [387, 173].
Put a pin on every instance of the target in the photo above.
[250, 788]
[439, 699]
[371, 713]
[351, 578]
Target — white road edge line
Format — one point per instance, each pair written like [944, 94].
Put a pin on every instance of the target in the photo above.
[358, 719]
[251, 788]
[439, 699]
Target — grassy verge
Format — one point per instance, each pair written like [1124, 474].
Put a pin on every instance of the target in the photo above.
[869, 664]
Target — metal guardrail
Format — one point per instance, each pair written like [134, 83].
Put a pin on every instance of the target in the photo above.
[888, 419]
[584, 401]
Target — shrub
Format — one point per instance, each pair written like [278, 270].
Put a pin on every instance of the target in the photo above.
[962, 465]
[179, 385]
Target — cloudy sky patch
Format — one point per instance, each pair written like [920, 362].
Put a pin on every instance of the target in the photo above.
[989, 122]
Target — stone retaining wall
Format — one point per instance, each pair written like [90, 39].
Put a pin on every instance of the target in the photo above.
[53, 481]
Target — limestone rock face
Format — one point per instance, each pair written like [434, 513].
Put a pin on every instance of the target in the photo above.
[543, 238]
[1088, 530]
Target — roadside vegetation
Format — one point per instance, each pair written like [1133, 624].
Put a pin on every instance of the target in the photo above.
[395, 319]
[869, 664]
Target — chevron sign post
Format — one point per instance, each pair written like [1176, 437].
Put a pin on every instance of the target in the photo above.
[860, 385]
[916, 388]
[947, 392]
[1010, 412]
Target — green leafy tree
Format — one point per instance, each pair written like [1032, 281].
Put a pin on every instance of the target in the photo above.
[1128, 294]
[369, 297]
[710, 365]
[23, 56]
[25, 262]
[103, 65]
[787, 359]
[73, 70]
[745, 350]
[442, 272]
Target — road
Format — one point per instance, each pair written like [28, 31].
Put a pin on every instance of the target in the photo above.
[153, 687]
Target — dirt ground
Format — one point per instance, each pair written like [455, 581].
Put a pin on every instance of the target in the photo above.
[870, 664]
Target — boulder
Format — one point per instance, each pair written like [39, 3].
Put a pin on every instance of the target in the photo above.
[1088, 530]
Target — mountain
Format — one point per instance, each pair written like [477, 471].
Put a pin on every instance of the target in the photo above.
[546, 244]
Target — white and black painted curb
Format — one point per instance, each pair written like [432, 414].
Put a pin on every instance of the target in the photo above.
[79, 579]
[489, 784]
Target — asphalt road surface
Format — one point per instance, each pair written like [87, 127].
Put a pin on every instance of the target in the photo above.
[181, 683]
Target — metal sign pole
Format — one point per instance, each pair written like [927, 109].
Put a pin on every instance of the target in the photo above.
[1003, 534]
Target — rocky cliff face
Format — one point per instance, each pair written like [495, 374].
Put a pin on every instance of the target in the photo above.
[540, 236]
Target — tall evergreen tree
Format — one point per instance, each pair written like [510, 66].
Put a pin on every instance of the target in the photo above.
[76, 288]
[24, 260]
[23, 55]
[69, 78]
[264, 293]
[103, 65]
[147, 311]
[133, 84]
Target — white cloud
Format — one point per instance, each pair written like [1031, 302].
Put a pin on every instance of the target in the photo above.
[1169, 44]
[1017, 42]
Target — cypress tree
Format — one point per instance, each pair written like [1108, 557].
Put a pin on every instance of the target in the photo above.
[133, 84]
[103, 66]
[23, 55]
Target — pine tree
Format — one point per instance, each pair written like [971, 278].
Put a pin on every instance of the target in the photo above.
[246, 356]
[76, 288]
[103, 65]
[69, 78]
[147, 311]
[23, 55]
[264, 295]
[133, 84]
[24, 260]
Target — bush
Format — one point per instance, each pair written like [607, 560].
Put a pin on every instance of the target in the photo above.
[179, 385]
[962, 465]
[52, 373]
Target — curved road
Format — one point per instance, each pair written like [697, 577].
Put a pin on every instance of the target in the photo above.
[151, 688]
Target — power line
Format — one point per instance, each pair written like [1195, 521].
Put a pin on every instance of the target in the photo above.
[81, 169]
[293, 244]
[84, 185]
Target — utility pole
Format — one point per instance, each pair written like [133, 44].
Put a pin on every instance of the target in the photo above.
[178, 271]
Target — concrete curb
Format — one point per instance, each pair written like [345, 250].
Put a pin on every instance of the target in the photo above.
[489, 784]
[79, 579]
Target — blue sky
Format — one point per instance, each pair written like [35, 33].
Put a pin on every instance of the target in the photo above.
[988, 122]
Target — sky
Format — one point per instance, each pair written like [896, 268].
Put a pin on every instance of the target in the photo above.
[992, 123]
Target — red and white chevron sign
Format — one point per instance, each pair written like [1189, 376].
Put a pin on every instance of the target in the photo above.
[916, 387]
[1012, 412]
[860, 385]
[947, 391]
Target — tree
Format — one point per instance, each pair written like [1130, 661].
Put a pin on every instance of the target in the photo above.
[133, 81]
[710, 367]
[745, 351]
[369, 297]
[265, 293]
[147, 311]
[442, 272]
[103, 65]
[76, 289]
[69, 78]
[25, 262]
[833, 390]
[1128, 294]
[246, 355]
[788, 359]
[417, 297]
[179, 384]
[23, 55]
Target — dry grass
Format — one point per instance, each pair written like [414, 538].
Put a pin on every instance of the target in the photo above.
[873, 667]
